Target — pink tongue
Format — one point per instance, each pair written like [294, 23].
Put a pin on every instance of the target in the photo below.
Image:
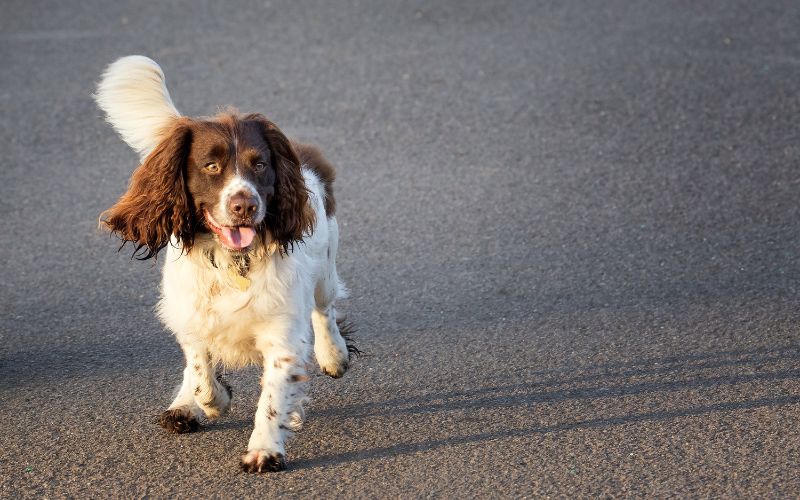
[238, 237]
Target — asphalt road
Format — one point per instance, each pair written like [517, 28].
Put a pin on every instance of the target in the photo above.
[571, 230]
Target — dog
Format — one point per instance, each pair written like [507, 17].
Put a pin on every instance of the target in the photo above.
[247, 219]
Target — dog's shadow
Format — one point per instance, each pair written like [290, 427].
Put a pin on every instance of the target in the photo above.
[673, 374]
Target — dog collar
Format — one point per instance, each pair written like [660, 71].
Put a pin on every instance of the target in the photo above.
[237, 274]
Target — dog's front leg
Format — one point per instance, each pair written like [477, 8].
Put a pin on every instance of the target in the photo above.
[200, 390]
[283, 387]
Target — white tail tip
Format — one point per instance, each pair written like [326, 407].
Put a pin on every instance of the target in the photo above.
[133, 93]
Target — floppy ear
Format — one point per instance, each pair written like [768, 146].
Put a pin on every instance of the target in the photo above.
[156, 205]
[289, 215]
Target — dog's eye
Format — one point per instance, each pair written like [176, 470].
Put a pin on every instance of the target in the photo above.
[212, 168]
[260, 166]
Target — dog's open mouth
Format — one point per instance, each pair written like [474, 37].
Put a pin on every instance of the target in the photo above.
[231, 237]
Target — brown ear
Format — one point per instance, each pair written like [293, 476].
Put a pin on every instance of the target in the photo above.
[289, 215]
[156, 205]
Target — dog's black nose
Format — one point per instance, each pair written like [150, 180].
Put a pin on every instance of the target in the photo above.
[242, 204]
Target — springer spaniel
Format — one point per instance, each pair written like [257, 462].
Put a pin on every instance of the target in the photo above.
[247, 218]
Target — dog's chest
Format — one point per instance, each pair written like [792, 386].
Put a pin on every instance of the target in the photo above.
[227, 314]
[239, 312]
[233, 313]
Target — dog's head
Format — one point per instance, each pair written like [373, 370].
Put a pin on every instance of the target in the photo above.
[234, 177]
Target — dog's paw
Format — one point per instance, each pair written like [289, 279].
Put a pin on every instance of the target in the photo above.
[333, 359]
[179, 421]
[263, 461]
[335, 370]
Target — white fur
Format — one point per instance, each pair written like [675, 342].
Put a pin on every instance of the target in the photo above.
[133, 93]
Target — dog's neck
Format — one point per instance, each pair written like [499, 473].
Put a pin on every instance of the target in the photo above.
[207, 252]
[240, 261]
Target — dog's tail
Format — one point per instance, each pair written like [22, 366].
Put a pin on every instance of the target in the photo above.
[133, 93]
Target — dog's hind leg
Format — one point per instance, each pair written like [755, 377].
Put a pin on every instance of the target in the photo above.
[330, 347]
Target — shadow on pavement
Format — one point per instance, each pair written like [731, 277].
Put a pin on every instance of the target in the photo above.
[674, 365]
[406, 448]
[755, 366]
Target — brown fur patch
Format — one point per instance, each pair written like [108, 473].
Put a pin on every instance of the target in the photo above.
[312, 157]
[178, 421]
[156, 205]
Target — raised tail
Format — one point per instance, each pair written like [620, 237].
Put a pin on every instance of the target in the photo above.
[133, 94]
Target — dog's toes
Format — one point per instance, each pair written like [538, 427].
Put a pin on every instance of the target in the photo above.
[336, 371]
[179, 421]
[333, 361]
[263, 461]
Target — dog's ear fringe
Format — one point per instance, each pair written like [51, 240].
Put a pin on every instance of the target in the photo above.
[156, 206]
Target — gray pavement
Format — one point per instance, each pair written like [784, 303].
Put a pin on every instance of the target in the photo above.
[571, 230]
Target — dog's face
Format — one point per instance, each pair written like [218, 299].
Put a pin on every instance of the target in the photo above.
[235, 177]
[230, 179]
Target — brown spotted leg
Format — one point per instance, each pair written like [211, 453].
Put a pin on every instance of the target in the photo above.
[283, 387]
[201, 392]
